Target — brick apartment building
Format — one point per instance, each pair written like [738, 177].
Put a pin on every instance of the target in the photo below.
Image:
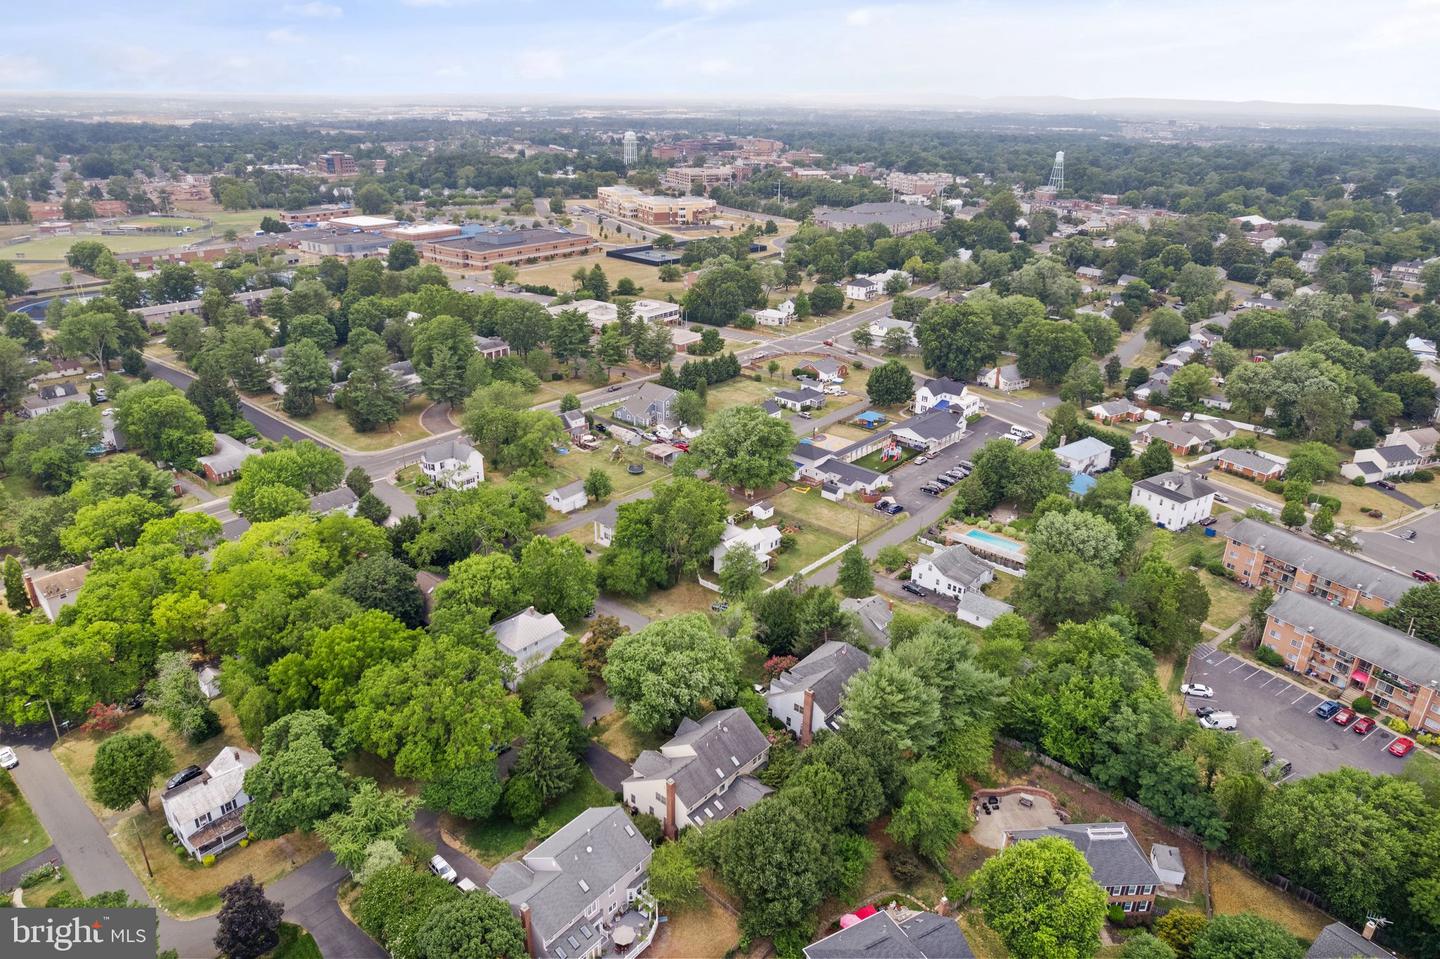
[483, 250]
[630, 203]
[1358, 656]
[682, 179]
[316, 214]
[1260, 554]
[336, 163]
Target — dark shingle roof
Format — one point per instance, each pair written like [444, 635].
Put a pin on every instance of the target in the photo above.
[879, 936]
[1339, 941]
[1177, 486]
[725, 740]
[826, 670]
[957, 563]
[1305, 553]
[1358, 635]
[1114, 856]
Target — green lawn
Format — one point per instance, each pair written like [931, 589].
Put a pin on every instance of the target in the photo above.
[21, 835]
[496, 838]
[295, 943]
[21, 488]
[577, 464]
[744, 391]
[824, 527]
[329, 420]
[39, 895]
[872, 461]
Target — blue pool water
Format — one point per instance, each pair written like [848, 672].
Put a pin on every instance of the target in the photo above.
[995, 542]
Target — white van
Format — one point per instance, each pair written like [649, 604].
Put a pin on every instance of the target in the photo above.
[1223, 721]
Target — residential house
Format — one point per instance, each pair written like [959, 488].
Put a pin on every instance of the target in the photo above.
[946, 394]
[759, 540]
[1309, 261]
[1262, 301]
[1185, 438]
[801, 399]
[1175, 499]
[1251, 465]
[454, 464]
[951, 571]
[845, 477]
[1006, 379]
[580, 891]
[604, 523]
[1089, 274]
[1406, 271]
[1356, 655]
[405, 377]
[874, 613]
[806, 697]
[51, 398]
[60, 368]
[574, 423]
[1262, 554]
[920, 935]
[825, 370]
[1116, 411]
[224, 464]
[205, 814]
[1339, 941]
[1085, 455]
[702, 775]
[880, 328]
[1399, 453]
[977, 609]
[648, 406]
[773, 317]
[771, 409]
[861, 288]
[339, 500]
[1423, 349]
[1116, 860]
[529, 638]
[567, 498]
[1125, 279]
[52, 592]
[209, 681]
[491, 347]
[929, 432]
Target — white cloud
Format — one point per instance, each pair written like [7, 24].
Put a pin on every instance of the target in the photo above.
[315, 9]
[284, 36]
[540, 64]
[704, 6]
[20, 72]
[861, 17]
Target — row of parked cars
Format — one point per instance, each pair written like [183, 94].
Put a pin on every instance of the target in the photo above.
[947, 479]
[1342, 715]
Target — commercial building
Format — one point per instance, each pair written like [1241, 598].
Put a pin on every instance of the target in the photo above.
[632, 204]
[361, 221]
[703, 774]
[1116, 860]
[342, 244]
[316, 214]
[901, 219]
[1260, 554]
[482, 250]
[418, 233]
[682, 179]
[919, 184]
[1174, 500]
[335, 163]
[1357, 656]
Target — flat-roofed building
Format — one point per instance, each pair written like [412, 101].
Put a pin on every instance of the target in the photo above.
[683, 178]
[901, 219]
[481, 250]
[1261, 554]
[315, 214]
[418, 233]
[628, 202]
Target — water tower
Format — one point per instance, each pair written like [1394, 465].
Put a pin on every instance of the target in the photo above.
[1057, 173]
[631, 148]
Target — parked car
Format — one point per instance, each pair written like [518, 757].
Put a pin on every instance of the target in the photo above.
[912, 589]
[1402, 746]
[95, 376]
[613, 389]
[966, 465]
[1327, 709]
[182, 777]
[943, 481]
[1363, 725]
[921, 460]
[1222, 721]
[8, 759]
[1423, 576]
[1344, 717]
[1197, 689]
[1221, 498]
[1202, 711]
[443, 869]
[1408, 535]
[805, 415]
[1278, 768]
[1208, 521]
[1385, 484]
[102, 396]
[889, 506]
[932, 489]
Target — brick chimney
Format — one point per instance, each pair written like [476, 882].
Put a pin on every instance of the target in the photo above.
[805, 719]
[670, 829]
[1369, 930]
[529, 927]
[942, 908]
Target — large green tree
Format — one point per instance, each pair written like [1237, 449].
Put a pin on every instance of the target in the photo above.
[743, 447]
[668, 669]
[126, 767]
[1041, 899]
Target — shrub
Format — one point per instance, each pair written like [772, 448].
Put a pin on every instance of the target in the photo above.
[1115, 913]
[209, 859]
[1423, 476]
[1362, 704]
[244, 842]
[181, 853]
[1358, 481]
[904, 865]
[1268, 656]
[1331, 503]
[1398, 725]
[650, 827]
[1274, 486]
[38, 875]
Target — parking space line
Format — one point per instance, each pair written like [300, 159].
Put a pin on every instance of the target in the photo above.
[1369, 734]
[1240, 666]
[1267, 682]
[1298, 698]
[1316, 706]
[1283, 688]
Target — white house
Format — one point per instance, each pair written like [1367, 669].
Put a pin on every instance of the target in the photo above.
[703, 774]
[529, 638]
[977, 609]
[760, 540]
[1174, 500]
[826, 370]
[801, 399]
[881, 327]
[454, 464]
[773, 317]
[580, 893]
[951, 571]
[604, 523]
[947, 394]
[1085, 455]
[1400, 453]
[205, 813]
[861, 288]
[844, 477]
[806, 697]
[930, 432]
[1423, 349]
[567, 498]
[1006, 379]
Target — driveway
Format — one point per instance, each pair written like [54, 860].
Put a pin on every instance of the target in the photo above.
[427, 822]
[309, 896]
[1280, 714]
[608, 768]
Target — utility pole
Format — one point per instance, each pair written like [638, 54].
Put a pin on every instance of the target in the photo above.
[141, 841]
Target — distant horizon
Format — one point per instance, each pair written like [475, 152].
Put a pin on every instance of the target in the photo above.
[1304, 54]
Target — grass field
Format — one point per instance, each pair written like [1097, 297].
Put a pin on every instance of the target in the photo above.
[39, 896]
[556, 273]
[55, 247]
[21, 835]
[702, 931]
[824, 527]
[744, 391]
[498, 837]
[576, 465]
[624, 740]
[161, 224]
[687, 596]
[1234, 891]
[329, 420]
[295, 943]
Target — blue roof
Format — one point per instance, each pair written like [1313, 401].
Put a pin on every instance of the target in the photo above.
[870, 416]
[1081, 483]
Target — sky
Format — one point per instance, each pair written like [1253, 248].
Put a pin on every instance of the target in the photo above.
[778, 51]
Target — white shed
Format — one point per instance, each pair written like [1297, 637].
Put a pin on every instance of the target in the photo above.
[1168, 865]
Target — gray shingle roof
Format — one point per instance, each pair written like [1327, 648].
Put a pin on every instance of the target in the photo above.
[340, 498]
[1177, 486]
[1247, 459]
[1339, 941]
[826, 670]
[810, 452]
[957, 563]
[875, 615]
[880, 936]
[981, 605]
[931, 426]
[524, 628]
[1114, 856]
[1305, 553]
[942, 385]
[1084, 448]
[726, 739]
[801, 396]
[844, 472]
[599, 847]
[1358, 635]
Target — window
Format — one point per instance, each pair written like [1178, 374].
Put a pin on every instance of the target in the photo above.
[1129, 890]
[1129, 906]
[1147, 890]
[202, 820]
[228, 807]
[1142, 906]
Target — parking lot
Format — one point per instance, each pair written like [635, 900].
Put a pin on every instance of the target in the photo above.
[908, 479]
[1280, 714]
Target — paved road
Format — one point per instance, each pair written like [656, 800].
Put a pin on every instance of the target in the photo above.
[608, 768]
[309, 895]
[271, 427]
[1388, 548]
[1279, 713]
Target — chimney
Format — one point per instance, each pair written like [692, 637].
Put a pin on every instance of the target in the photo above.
[805, 719]
[529, 927]
[1369, 930]
[942, 908]
[670, 829]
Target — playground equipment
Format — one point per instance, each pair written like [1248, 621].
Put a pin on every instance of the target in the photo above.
[890, 452]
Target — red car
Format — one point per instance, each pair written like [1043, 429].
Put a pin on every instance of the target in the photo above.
[1402, 746]
[681, 445]
[1363, 725]
[1343, 717]
[1423, 576]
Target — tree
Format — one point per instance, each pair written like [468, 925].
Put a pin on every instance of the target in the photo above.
[401, 256]
[298, 781]
[112, 523]
[855, 578]
[775, 860]
[957, 340]
[1292, 514]
[548, 758]
[372, 199]
[1103, 332]
[16, 598]
[744, 447]
[358, 481]
[1313, 462]
[371, 815]
[305, 372]
[12, 281]
[384, 583]
[1084, 536]
[1156, 459]
[249, 923]
[891, 700]
[157, 418]
[739, 574]
[1245, 936]
[1041, 899]
[126, 767]
[666, 670]
[1083, 383]
[689, 408]
[890, 384]
[674, 877]
[371, 398]
[474, 926]
[826, 299]
[175, 695]
[503, 274]
[1179, 928]
[932, 814]
[1190, 384]
[15, 374]
[1167, 327]
[470, 792]
[1142, 945]
[558, 577]
[1047, 349]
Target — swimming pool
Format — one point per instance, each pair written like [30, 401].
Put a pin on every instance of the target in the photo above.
[994, 542]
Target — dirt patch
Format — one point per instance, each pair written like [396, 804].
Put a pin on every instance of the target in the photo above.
[704, 931]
